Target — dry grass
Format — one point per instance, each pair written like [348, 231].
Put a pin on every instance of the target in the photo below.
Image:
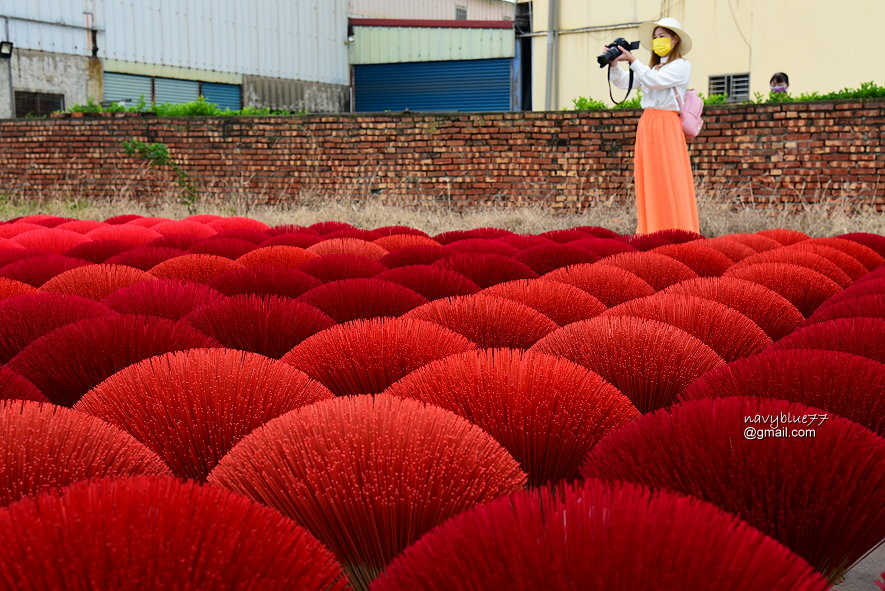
[719, 213]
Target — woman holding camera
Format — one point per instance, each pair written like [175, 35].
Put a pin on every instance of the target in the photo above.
[665, 196]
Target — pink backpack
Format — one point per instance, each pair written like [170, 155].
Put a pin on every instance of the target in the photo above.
[690, 111]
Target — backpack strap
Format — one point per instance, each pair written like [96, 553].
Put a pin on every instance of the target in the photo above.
[678, 99]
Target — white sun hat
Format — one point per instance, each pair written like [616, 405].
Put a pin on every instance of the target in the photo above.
[646, 30]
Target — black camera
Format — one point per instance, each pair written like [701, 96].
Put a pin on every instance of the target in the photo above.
[612, 53]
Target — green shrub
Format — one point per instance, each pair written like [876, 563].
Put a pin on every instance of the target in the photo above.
[714, 99]
[89, 107]
[867, 90]
[633, 103]
[198, 108]
[583, 103]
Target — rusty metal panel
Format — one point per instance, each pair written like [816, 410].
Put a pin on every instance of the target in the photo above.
[315, 97]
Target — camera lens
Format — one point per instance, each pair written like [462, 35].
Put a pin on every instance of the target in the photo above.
[604, 58]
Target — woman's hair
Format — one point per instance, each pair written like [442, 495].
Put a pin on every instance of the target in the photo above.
[674, 54]
[780, 78]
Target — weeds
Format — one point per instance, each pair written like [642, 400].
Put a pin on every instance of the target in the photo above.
[158, 155]
[721, 212]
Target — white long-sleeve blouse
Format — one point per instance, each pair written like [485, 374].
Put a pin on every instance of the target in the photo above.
[657, 84]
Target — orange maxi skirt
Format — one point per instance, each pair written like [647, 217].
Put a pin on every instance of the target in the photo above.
[665, 197]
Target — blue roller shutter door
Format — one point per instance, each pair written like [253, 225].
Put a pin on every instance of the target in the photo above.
[130, 88]
[226, 96]
[465, 85]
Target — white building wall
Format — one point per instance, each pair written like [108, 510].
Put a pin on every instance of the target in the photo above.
[38, 71]
[755, 37]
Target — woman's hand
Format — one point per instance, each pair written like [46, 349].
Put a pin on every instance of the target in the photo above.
[625, 55]
[605, 49]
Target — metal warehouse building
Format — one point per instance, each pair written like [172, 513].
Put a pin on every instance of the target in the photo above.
[313, 55]
[278, 54]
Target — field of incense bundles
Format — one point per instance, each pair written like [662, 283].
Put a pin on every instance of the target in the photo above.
[341, 395]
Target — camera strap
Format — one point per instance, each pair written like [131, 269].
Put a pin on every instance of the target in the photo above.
[629, 86]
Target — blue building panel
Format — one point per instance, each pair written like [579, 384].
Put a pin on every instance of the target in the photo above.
[129, 88]
[225, 96]
[464, 85]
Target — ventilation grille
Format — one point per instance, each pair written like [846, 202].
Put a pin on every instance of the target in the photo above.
[736, 86]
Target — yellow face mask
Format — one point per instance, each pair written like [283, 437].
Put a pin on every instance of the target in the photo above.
[661, 46]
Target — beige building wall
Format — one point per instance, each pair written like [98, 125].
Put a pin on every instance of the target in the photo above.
[477, 10]
[821, 46]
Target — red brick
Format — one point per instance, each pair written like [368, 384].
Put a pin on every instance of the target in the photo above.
[528, 157]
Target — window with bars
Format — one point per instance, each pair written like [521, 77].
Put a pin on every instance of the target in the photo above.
[37, 103]
[460, 13]
[736, 86]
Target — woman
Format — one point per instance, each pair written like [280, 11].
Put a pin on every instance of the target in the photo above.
[780, 82]
[665, 197]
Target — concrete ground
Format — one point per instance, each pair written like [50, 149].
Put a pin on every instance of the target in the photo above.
[863, 577]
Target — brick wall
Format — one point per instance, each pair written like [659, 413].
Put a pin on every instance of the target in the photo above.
[794, 152]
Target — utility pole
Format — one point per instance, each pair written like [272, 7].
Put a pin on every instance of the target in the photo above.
[552, 22]
[8, 61]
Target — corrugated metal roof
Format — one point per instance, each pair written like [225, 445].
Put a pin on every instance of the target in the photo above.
[303, 40]
[387, 45]
[50, 25]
